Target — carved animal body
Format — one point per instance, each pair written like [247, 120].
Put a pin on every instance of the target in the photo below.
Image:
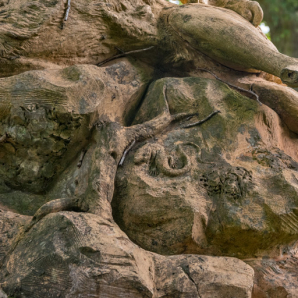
[219, 33]
[225, 37]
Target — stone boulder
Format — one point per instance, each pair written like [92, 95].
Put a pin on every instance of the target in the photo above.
[146, 150]
[46, 120]
[81, 255]
[226, 187]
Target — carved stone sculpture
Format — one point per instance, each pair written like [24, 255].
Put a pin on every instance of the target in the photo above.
[146, 150]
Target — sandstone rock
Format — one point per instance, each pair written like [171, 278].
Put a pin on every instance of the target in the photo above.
[212, 184]
[47, 118]
[79, 255]
[84, 149]
[238, 197]
[211, 276]
[275, 96]
[10, 224]
[275, 277]
[32, 38]
[94, 32]
[212, 178]
[2, 294]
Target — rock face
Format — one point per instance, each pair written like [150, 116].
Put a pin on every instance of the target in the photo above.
[84, 255]
[146, 176]
[217, 191]
[45, 125]
[10, 224]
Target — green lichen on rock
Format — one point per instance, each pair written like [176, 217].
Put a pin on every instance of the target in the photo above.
[229, 211]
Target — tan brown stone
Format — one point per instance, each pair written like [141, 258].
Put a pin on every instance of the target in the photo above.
[79, 255]
[10, 224]
[215, 195]
[50, 115]
[120, 123]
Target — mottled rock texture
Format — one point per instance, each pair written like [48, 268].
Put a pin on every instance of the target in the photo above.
[229, 185]
[145, 176]
[85, 256]
[47, 118]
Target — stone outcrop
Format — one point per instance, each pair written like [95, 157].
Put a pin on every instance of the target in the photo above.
[82, 255]
[46, 127]
[221, 189]
[146, 175]
[10, 223]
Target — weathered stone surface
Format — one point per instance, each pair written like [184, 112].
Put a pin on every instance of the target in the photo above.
[31, 36]
[223, 35]
[210, 185]
[10, 224]
[282, 100]
[2, 294]
[234, 196]
[276, 277]
[85, 148]
[48, 116]
[207, 277]
[82, 255]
